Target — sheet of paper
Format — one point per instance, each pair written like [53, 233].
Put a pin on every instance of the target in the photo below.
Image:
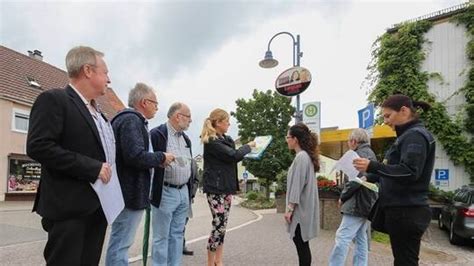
[110, 196]
[261, 143]
[345, 164]
[368, 185]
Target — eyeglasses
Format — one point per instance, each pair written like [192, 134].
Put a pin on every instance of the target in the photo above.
[188, 116]
[154, 102]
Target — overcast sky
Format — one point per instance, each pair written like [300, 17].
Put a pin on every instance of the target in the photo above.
[206, 53]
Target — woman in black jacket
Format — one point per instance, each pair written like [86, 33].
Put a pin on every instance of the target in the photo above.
[220, 177]
[404, 177]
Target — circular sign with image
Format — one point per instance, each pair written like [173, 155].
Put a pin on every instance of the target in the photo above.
[293, 81]
[311, 110]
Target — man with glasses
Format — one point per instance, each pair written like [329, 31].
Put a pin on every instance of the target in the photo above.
[172, 187]
[135, 162]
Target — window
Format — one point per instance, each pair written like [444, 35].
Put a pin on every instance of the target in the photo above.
[20, 120]
[24, 174]
[33, 82]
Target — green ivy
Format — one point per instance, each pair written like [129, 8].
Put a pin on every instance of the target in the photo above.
[467, 19]
[397, 59]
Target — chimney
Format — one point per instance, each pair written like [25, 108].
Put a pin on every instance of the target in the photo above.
[36, 54]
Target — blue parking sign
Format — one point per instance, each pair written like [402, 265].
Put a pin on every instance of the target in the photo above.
[366, 117]
[442, 177]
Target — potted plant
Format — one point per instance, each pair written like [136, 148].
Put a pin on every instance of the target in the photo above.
[327, 188]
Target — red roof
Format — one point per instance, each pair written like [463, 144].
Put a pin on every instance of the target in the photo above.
[16, 68]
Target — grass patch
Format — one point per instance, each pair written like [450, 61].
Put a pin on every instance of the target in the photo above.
[257, 200]
[380, 237]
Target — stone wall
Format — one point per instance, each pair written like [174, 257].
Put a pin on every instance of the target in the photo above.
[329, 213]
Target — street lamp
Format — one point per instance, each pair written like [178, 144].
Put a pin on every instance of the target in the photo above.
[270, 62]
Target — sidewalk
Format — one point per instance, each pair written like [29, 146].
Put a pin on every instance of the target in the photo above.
[253, 238]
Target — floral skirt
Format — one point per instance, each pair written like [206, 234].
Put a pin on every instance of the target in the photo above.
[220, 208]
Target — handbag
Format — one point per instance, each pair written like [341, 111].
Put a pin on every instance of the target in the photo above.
[377, 218]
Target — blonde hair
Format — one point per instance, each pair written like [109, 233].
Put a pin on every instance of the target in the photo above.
[208, 129]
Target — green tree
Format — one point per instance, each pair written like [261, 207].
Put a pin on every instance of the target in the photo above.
[266, 113]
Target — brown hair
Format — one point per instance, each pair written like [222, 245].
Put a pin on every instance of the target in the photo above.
[308, 142]
[397, 101]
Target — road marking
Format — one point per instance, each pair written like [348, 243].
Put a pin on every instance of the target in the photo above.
[259, 217]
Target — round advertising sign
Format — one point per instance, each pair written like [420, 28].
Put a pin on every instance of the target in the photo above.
[293, 81]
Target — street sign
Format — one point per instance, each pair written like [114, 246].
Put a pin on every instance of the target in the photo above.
[442, 177]
[293, 81]
[312, 116]
[245, 175]
[366, 117]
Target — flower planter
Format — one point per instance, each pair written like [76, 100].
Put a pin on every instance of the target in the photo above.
[328, 194]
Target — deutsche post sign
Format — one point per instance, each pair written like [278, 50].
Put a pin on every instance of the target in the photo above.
[293, 81]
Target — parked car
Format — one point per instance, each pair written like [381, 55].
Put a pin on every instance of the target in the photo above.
[458, 216]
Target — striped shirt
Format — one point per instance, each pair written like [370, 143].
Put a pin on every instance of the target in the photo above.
[179, 171]
[104, 128]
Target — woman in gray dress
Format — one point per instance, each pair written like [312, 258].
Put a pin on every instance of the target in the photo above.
[302, 213]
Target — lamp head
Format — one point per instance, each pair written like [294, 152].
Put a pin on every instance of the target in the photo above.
[268, 61]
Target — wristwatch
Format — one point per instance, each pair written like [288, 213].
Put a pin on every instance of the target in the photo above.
[290, 209]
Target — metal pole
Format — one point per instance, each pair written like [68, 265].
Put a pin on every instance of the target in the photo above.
[296, 54]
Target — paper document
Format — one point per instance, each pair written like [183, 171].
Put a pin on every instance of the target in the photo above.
[110, 196]
[345, 164]
[182, 161]
[368, 185]
[261, 143]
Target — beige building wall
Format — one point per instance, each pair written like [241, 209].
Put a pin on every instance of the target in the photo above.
[10, 141]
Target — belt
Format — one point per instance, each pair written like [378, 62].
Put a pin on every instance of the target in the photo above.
[166, 184]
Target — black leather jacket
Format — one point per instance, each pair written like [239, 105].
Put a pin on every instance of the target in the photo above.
[357, 199]
[220, 165]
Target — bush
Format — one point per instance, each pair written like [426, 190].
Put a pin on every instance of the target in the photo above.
[281, 183]
[251, 195]
[439, 195]
[256, 200]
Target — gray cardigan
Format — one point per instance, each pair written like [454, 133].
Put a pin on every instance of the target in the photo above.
[302, 191]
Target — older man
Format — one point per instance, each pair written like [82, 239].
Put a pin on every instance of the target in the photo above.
[135, 163]
[171, 187]
[356, 201]
[75, 145]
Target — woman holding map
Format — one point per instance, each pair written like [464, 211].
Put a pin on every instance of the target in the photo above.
[220, 177]
[404, 177]
[302, 202]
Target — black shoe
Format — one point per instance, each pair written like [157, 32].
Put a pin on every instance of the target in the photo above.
[188, 252]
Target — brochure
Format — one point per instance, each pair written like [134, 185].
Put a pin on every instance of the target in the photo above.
[368, 185]
[262, 143]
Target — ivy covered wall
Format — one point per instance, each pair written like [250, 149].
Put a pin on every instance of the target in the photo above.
[397, 63]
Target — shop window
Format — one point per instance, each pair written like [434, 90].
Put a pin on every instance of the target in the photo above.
[20, 120]
[23, 175]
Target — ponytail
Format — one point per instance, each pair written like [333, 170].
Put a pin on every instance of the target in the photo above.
[208, 129]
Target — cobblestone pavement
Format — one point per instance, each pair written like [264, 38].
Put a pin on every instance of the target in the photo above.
[254, 238]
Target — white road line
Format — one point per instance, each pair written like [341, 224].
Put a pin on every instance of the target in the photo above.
[259, 217]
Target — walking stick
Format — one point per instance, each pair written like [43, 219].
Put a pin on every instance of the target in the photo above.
[146, 235]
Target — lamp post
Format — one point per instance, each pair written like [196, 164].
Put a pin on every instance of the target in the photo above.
[270, 62]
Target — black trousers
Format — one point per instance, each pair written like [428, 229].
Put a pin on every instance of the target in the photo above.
[304, 253]
[406, 226]
[75, 241]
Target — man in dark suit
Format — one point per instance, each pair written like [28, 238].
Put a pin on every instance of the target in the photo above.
[75, 146]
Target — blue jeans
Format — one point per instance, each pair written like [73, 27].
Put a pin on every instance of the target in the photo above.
[121, 236]
[168, 223]
[352, 227]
